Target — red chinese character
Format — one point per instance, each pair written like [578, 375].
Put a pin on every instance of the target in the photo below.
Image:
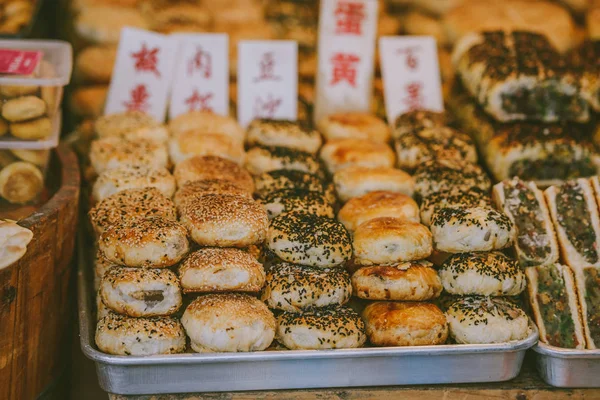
[139, 99]
[267, 68]
[412, 62]
[146, 60]
[349, 16]
[266, 109]
[201, 62]
[414, 98]
[344, 68]
[199, 102]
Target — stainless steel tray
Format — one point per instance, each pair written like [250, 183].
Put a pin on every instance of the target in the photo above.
[295, 369]
[567, 367]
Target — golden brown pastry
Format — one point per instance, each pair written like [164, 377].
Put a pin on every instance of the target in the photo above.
[20, 182]
[356, 181]
[212, 167]
[341, 153]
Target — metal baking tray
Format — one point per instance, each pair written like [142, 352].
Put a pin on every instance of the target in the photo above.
[293, 369]
[567, 367]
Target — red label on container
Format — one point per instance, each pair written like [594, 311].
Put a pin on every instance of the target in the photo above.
[19, 61]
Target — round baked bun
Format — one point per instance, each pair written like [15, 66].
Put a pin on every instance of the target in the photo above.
[225, 220]
[444, 174]
[476, 319]
[281, 133]
[126, 336]
[482, 273]
[294, 288]
[460, 230]
[130, 125]
[407, 281]
[20, 182]
[455, 197]
[130, 204]
[354, 125]
[133, 177]
[113, 152]
[228, 323]
[377, 205]
[342, 153]
[321, 328]
[288, 200]
[207, 122]
[389, 241]
[356, 181]
[221, 270]
[152, 242]
[141, 292]
[390, 323]
[193, 189]
[308, 239]
[193, 143]
[261, 159]
[212, 167]
[418, 120]
[282, 179]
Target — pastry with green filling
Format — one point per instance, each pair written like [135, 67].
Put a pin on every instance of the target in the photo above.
[519, 76]
[575, 217]
[588, 287]
[553, 300]
[524, 204]
[586, 61]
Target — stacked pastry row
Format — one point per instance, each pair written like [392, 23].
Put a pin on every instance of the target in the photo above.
[307, 285]
[561, 222]
[454, 199]
[145, 260]
[526, 106]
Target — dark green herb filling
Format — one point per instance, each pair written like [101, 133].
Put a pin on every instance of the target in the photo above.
[543, 101]
[554, 308]
[553, 168]
[592, 299]
[532, 238]
[575, 219]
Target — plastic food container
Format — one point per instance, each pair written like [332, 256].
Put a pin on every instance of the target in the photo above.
[23, 166]
[30, 103]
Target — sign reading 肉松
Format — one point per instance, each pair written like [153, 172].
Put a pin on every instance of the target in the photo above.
[201, 81]
[143, 73]
[344, 81]
[267, 80]
[411, 75]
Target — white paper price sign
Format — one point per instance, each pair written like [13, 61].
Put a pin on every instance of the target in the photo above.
[411, 75]
[267, 80]
[201, 80]
[143, 73]
[347, 30]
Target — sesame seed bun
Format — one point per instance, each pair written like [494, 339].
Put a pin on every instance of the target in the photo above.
[228, 323]
[152, 242]
[207, 122]
[193, 189]
[288, 200]
[224, 220]
[141, 292]
[481, 273]
[130, 125]
[133, 177]
[294, 288]
[126, 336]
[289, 134]
[443, 174]
[357, 181]
[218, 270]
[212, 167]
[354, 125]
[321, 328]
[281, 179]
[113, 152]
[308, 239]
[261, 159]
[461, 229]
[475, 319]
[130, 204]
